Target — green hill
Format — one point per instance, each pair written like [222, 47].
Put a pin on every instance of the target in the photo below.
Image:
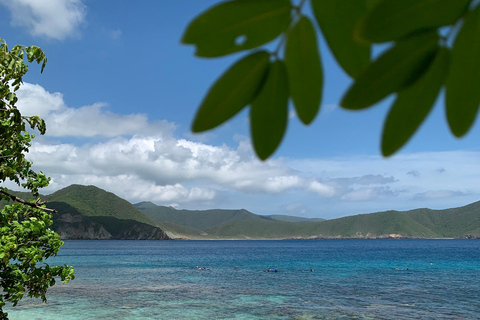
[87, 212]
[279, 217]
[451, 222]
[380, 224]
[195, 218]
[91, 201]
[241, 224]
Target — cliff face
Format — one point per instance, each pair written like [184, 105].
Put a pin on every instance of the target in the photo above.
[142, 232]
[76, 227]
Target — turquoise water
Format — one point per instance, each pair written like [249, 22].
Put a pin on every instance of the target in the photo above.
[351, 279]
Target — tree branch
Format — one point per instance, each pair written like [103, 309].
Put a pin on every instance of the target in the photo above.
[36, 204]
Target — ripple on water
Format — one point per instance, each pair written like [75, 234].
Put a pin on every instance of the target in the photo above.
[352, 280]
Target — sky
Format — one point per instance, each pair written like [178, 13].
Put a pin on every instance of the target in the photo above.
[119, 94]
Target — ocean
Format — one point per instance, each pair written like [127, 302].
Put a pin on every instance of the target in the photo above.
[315, 279]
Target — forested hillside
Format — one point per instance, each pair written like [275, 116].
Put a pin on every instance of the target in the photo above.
[88, 212]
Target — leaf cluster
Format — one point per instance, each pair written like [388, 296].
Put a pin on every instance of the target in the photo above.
[15, 139]
[25, 242]
[432, 44]
[25, 237]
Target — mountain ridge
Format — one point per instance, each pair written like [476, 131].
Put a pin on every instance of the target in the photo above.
[461, 222]
[88, 212]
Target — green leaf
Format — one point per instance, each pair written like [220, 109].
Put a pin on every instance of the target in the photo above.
[396, 69]
[44, 63]
[414, 104]
[463, 83]
[269, 111]
[391, 20]
[304, 68]
[337, 20]
[232, 91]
[372, 3]
[237, 25]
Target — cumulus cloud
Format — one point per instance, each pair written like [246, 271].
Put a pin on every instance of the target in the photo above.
[94, 120]
[321, 189]
[179, 172]
[87, 121]
[386, 179]
[56, 19]
[165, 164]
[33, 99]
[129, 186]
[142, 160]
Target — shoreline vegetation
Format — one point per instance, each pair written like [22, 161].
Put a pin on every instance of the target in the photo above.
[88, 212]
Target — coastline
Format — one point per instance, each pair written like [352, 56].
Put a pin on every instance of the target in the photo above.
[322, 238]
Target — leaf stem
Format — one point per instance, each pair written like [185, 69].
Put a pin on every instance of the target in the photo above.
[296, 16]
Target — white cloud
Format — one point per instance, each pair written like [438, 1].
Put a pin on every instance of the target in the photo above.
[321, 189]
[33, 99]
[87, 121]
[129, 186]
[141, 160]
[94, 120]
[138, 159]
[386, 179]
[162, 162]
[57, 19]
[170, 171]
[281, 183]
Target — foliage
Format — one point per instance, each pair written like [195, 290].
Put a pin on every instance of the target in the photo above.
[25, 238]
[231, 224]
[75, 225]
[432, 44]
[198, 219]
[91, 201]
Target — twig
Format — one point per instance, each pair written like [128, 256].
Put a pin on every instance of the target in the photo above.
[36, 204]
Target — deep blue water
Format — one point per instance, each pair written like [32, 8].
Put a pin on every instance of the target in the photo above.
[351, 279]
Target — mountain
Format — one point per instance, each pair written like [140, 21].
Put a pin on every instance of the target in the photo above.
[88, 212]
[198, 219]
[93, 202]
[463, 222]
[279, 217]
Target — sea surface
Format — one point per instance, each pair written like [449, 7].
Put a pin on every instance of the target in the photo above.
[315, 279]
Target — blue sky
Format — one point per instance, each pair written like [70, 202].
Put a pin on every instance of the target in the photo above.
[119, 94]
